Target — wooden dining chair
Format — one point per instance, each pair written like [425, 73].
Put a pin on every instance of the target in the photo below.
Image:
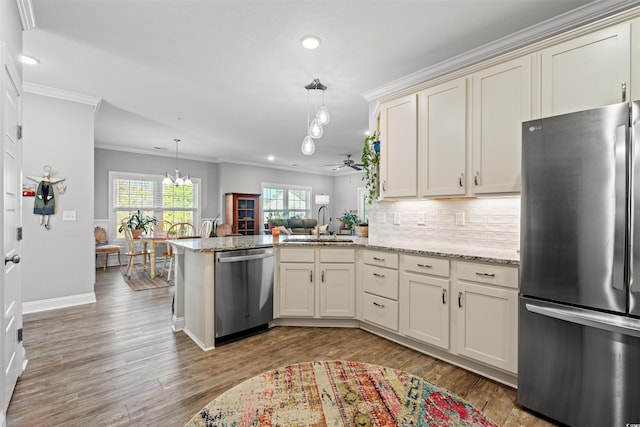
[103, 247]
[205, 229]
[162, 226]
[133, 251]
[180, 230]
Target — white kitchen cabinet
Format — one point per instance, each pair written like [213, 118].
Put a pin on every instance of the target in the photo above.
[425, 308]
[587, 72]
[635, 60]
[297, 289]
[399, 147]
[487, 314]
[502, 100]
[442, 138]
[337, 290]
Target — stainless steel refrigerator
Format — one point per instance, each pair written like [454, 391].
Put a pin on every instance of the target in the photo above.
[579, 312]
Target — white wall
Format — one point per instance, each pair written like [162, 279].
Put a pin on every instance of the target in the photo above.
[11, 31]
[346, 193]
[59, 263]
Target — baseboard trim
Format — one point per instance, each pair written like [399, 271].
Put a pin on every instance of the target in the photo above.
[60, 302]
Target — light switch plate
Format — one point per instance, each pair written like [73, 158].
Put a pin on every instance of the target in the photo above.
[420, 219]
[459, 218]
[396, 218]
[68, 215]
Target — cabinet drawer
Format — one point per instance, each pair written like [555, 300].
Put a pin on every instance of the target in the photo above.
[488, 273]
[426, 265]
[382, 259]
[337, 255]
[296, 255]
[380, 311]
[380, 281]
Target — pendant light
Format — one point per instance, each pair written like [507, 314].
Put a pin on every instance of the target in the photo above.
[176, 179]
[315, 128]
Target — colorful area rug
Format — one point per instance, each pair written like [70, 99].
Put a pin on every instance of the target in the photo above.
[140, 280]
[338, 393]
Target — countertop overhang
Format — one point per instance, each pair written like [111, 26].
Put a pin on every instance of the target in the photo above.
[232, 243]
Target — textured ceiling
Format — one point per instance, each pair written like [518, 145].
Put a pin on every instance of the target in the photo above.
[227, 77]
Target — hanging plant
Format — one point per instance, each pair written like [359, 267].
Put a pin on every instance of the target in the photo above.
[371, 165]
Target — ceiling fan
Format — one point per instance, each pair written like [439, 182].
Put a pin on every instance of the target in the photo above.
[349, 163]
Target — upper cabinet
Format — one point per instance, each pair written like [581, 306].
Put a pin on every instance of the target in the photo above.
[399, 142]
[442, 142]
[502, 100]
[587, 72]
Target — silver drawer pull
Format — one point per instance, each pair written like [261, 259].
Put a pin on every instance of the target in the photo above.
[424, 265]
[378, 305]
[485, 274]
[375, 258]
[378, 275]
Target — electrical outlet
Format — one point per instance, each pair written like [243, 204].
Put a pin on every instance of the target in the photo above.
[396, 218]
[68, 215]
[421, 219]
[459, 218]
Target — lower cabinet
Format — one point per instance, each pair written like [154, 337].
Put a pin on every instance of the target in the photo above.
[316, 282]
[487, 314]
[380, 289]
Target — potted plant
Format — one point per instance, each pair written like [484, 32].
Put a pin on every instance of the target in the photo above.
[362, 229]
[371, 165]
[349, 220]
[274, 220]
[138, 224]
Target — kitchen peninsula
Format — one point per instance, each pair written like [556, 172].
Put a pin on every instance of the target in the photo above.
[457, 304]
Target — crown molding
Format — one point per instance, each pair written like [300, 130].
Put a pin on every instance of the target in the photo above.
[62, 94]
[27, 15]
[581, 16]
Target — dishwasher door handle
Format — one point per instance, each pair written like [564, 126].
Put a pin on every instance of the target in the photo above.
[244, 258]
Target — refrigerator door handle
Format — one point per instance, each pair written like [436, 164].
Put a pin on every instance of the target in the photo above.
[607, 322]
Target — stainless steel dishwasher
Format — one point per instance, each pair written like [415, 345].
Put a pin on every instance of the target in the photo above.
[243, 292]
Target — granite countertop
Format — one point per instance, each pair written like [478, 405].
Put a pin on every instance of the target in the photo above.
[216, 244]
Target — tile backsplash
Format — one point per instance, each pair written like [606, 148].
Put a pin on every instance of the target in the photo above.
[486, 223]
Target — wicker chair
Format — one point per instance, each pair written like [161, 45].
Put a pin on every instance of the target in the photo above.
[103, 247]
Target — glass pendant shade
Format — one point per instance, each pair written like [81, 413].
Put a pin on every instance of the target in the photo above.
[323, 116]
[167, 179]
[315, 130]
[308, 146]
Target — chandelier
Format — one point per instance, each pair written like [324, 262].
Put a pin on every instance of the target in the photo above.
[321, 118]
[176, 179]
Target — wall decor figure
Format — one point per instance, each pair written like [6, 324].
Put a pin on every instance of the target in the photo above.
[45, 202]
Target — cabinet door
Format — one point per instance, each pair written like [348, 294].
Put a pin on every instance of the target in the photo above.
[424, 303]
[297, 289]
[337, 290]
[501, 102]
[442, 124]
[586, 72]
[399, 147]
[488, 324]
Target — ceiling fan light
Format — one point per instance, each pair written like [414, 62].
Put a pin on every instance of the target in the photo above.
[315, 130]
[308, 146]
[323, 116]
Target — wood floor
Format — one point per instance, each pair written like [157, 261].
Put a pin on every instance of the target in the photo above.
[117, 362]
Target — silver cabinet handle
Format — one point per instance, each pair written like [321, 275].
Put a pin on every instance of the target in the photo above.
[375, 258]
[424, 265]
[460, 178]
[444, 296]
[14, 259]
[485, 274]
[384, 185]
[460, 299]
[624, 91]
[311, 276]
[378, 275]
[322, 276]
[476, 178]
[378, 305]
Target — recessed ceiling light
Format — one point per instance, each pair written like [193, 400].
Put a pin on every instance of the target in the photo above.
[271, 158]
[310, 42]
[29, 60]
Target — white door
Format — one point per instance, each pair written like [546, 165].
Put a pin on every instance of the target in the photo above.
[12, 350]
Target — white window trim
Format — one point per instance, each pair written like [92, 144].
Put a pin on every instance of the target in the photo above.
[113, 231]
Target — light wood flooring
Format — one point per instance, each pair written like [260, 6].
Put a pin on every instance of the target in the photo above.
[117, 362]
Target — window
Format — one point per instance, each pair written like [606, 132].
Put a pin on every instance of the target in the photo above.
[131, 192]
[285, 201]
[363, 206]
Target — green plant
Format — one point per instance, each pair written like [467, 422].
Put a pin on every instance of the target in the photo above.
[350, 218]
[276, 219]
[138, 222]
[371, 165]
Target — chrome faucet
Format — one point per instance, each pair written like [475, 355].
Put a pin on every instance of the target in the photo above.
[323, 216]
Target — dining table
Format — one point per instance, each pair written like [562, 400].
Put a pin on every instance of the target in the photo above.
[151, 240]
